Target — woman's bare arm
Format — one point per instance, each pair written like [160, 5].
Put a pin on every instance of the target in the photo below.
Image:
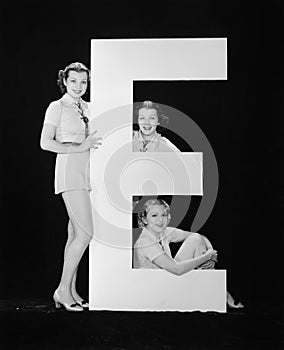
[179, 268]
[48, 142]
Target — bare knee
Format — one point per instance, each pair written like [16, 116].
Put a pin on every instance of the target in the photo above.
[195, 240]
[79, 209]
[192, 247]
[70, 229]
[199, 245]
[82, 242]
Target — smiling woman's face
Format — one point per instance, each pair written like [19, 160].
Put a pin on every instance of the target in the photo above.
[76, 84]
[147, 121]
[157, 219]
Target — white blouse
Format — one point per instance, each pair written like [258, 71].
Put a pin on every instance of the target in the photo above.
[65, 115]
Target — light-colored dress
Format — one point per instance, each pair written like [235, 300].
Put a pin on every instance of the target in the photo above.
[157, 144]
[148, 246]
[72, 170]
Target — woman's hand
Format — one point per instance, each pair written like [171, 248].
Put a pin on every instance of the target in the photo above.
[215, 257]
[208, 265]
[90, 142]
[211, 253]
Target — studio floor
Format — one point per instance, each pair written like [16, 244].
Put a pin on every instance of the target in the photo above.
[36, 324]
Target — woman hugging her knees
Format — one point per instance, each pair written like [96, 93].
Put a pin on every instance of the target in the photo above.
[152, 250]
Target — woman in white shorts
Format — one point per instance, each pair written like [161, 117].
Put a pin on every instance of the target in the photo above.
[66, 132]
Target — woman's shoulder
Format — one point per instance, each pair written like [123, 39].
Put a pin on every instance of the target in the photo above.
[144, 240]
[172, 231]
[54, 108]
[168, 144]
[53, 113]
[56, 104]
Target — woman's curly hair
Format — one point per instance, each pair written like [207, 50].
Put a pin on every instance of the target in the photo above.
[142, 214]
[64, 73]
[162, 118]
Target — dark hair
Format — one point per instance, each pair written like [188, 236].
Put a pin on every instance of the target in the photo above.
[63, 74]
[142, 214]
[162, 118]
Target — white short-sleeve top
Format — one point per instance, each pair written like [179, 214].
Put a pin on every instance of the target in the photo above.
[65, 115]
[148, 247]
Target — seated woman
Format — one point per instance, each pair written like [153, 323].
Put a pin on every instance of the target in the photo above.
[152, 251]
[150, 119]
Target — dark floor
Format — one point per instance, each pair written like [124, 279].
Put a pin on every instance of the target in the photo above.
[36, 324]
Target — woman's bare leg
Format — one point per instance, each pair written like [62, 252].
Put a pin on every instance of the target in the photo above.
[231, 302]
[78, 206]
[192, 247]
[71, 235]
[195, 246]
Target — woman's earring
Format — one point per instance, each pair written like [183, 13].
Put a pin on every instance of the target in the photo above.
[144, 221]
[169, 218]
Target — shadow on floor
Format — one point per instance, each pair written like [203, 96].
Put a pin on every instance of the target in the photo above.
[36, 324]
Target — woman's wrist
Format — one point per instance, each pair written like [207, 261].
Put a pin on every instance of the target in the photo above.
[70, 148]
[209, 254]
[78, 148]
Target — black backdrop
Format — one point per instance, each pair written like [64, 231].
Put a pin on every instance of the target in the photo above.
[40, 38]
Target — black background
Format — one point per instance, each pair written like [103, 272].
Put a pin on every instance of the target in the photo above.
[246, 227]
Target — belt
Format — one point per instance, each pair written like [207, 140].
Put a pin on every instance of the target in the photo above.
[71, 143]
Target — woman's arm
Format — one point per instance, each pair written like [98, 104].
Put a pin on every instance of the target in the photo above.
[210, 264]
[48, 143]
[179, 268]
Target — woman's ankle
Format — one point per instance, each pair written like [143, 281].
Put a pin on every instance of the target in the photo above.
[76, 296]
[63, 291]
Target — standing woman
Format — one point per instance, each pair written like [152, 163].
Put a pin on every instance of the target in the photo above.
[66, 132]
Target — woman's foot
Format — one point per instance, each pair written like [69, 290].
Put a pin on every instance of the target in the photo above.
[66, 301]
[232, 304]
[83, 303]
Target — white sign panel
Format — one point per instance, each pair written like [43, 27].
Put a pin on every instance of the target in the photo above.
[117, 174]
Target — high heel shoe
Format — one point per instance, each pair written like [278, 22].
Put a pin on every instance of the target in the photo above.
[83, 303]
[68, 307]
[232, 304]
